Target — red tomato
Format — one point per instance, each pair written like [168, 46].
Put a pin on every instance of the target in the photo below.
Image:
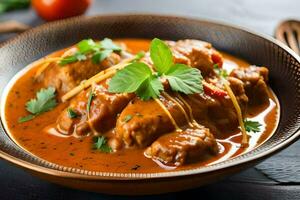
[58, 9]
[217, 58]
[212, 90]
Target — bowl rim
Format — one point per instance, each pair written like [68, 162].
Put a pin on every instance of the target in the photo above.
[131, 176]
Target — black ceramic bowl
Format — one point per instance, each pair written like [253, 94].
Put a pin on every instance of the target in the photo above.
[284, 66]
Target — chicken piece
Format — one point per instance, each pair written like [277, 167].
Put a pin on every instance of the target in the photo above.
[104, 109]
[254, 79]
[64, 78]
[145, 125]
[178, 148]
[238, 89]
[196, 53]
[217, 114]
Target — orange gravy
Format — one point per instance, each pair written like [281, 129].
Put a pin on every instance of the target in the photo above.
[73, 152]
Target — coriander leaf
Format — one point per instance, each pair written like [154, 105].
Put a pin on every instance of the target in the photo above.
[74, 58]
[98, 51]
[80, 56]
[150, 88]
[68, 60]
[71, 113]
[99, 56]
[100, 143]
[90, 98]
[87, 45]
[127, 118]
[108, 44]
[26, 118]
[44, 102]
[253, 126]
[161, 55]
[130, 78]
[185, 79]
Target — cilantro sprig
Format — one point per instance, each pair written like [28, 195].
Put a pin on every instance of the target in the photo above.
[44, 102]
[138, 77]
[252, 126]
[98, 51]
[100, 143]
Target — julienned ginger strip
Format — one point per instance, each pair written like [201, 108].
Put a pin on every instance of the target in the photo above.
[168, 114]
[238, 111]
[180, 107]
[105, 74]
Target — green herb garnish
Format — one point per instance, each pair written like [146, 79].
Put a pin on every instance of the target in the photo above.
[44, 102]
[185, 79]
[108, 44]
[137, 77]
[74, 58]
[138, 56]
[127, 118]
[161, 55]
[26, 118]
[220, 72]
[87, 46]
[100, 143]
[7, 5]
[99, 56]
[71, 113]
[253, 126]
[98, 51]
[90, 98]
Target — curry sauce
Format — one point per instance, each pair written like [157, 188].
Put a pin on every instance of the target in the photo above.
[34, 136]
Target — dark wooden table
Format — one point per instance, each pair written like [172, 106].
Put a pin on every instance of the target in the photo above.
[276, 178]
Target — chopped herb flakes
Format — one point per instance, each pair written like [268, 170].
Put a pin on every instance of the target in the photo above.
[220, 72]
[136, 167]
[90, 98]
[100, 143]
[71, 113]
[127, 118]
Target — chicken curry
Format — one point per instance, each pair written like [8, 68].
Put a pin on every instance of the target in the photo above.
[136, 105]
